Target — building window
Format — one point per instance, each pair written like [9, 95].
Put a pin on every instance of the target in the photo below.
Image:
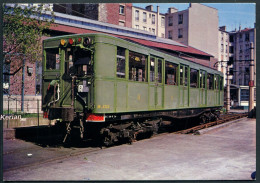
[137, 67]
[137, 15]
[121, 10]
[180, 18]
[153, 19]
[226, 48]
[231, 38]
[163, 22]
[244, 95]
[162, 35]
[231, 49]
[171, 73]
[222, 48]
[137, 26]
[145, 29]
[120, 71]
[144, 17]
[170, 21]
[153, 31]
[122, 23]
[180, 33]
[240, 37]
[169, 34]
[247, 37]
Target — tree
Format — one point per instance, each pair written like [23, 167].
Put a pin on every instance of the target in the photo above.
[23, 28]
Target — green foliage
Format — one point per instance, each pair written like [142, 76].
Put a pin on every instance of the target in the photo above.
[23, 28]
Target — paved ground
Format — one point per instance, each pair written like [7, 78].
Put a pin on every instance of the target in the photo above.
[228, 153]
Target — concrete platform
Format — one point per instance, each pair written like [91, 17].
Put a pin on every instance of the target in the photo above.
[228, 153]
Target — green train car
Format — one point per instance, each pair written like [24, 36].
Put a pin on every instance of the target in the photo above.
[97, 80]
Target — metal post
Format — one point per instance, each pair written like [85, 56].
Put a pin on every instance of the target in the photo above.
[8, 111]
[22, 99]
[251, 82]
[38, 113]
[228, 90]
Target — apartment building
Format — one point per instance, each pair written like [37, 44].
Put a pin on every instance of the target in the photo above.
[149, 20]
[197, 27]
[113, 13]
[223, 49]
[242, 51]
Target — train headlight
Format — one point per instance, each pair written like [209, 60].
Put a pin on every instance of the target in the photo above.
[87, 41]
[63, 42]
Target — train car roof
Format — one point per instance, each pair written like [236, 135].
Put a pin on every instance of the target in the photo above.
[142, 43]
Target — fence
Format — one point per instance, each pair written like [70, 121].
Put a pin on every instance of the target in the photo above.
[17, 105]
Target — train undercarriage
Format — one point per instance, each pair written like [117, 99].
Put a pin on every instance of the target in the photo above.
[128, 128]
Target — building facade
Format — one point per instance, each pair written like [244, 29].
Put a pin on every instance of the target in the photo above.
[149, 20]
[242, 51]
[113, 13]
[223, 55]
[197, 27]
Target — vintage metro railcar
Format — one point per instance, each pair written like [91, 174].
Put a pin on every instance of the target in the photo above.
[122, 86]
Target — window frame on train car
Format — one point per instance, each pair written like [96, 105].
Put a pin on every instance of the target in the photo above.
[136, 54]
[121, 57]
[57, 58]
[202, 76]
[176, 68]
[216, 82]
[184, 75]
[221, 83]
[152, 71]
[210, 81]
[157, 75]
[194, 82]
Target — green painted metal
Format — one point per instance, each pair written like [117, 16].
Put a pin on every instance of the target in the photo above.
[110, 94]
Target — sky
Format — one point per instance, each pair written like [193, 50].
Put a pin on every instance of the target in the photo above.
[230, 14]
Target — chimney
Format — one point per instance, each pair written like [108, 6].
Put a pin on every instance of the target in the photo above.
[149, 8]
[222, 28]
[172, 10]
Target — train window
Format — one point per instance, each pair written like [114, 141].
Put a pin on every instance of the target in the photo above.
[202, 79]
[152, 69]
[68, 61]
[210, 80]
[159, 70]
[170, 73]
[181, 74]
[82, 62]
[221, 83]
[216, 79]
[137, 67]
[194, 78]
[120, 66]
[186, 76]
[52, 59]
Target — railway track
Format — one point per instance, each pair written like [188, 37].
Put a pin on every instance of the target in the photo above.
[223, 119]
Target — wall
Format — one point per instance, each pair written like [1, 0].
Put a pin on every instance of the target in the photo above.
[203, 28]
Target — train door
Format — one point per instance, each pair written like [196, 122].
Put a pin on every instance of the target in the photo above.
[184, 86]
[156, 83]
[217, 94]
[203, 91]
[51, 74]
